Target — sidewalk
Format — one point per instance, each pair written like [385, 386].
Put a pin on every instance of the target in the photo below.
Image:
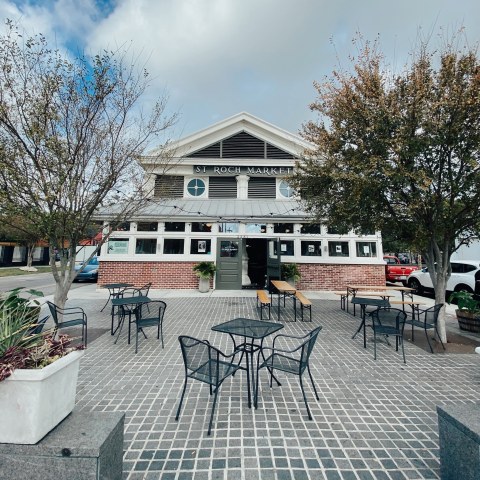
[374, 419]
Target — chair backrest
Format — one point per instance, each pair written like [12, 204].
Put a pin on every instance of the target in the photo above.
[307, 346]
[389, 317]
[38, 327]
[431, 314]
[201, 360]
[54, 311]
[145, 289]
[131, 292]
[155, 308]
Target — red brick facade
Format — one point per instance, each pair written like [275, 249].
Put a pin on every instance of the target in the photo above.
[166, 275]
[337, 277]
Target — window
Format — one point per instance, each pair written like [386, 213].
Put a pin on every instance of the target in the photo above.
[196, 187]
[174, 227]
[200, 246]
[310, 228]
[117, 246]
[123, 227]
[173, 246]
[147, 227]
[286, 248]
[146, 246]
[283, 227]
[338, 249]
[229, 249]
[228, 227]
[255, 228]
[311, 249]
[201, 227]
[285, 189]
[366, 249]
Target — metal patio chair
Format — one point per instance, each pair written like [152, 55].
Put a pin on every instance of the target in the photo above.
[37, 327]
[69, 317]
[154, 319]
[209, 365]
[293, 358]
[428, 320]
[129, 310]
[389, 322]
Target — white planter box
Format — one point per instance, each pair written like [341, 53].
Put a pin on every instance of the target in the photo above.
[33, 402]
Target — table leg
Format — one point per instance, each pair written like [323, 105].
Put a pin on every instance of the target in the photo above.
[363, 313]
[278, 313]
[120, 326]
[108, 299]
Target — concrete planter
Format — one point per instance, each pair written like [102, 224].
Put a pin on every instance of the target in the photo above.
[203, 285]
[467, 321]
[35, 401]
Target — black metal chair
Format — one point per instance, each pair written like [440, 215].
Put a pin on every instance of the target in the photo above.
[129, 310]
[428, 322]
[145, 290]
[156, 319]
[389, 322]
[37, 327]
[293, 358]
[209, 365]
[60, 314]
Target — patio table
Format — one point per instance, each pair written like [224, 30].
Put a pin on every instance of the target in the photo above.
[287, 290]
[250, 330]
[364, 302]
[352, 291]
[120, 302]
[114, 291]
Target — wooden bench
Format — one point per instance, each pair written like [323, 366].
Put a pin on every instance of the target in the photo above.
[343, 299]
[304, 303]
[263, 301]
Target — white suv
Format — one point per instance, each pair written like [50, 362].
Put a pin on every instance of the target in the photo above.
[465, 276]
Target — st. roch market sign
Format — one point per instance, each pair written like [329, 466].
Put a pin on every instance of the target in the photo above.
[241, 170]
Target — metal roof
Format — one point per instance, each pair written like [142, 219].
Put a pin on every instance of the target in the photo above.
[217, 209]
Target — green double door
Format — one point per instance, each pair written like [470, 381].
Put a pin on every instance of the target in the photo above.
[230, 253]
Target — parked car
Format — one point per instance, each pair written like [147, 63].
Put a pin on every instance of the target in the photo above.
[90, 272]
[396, 271]
[465, 277]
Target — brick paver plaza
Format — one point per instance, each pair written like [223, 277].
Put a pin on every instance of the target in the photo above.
[374, 419]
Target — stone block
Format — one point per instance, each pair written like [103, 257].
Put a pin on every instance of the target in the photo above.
[459, 437]
[84, 446]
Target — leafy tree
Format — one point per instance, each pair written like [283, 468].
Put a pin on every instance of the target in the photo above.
[400, 152]
[70, 132]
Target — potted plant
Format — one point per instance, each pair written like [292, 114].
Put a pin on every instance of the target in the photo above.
[38, 373]
[468, 312]
[290, 273]
[204, 271]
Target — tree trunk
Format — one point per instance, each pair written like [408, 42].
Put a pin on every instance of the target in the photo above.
[440, 298]
[30, 249]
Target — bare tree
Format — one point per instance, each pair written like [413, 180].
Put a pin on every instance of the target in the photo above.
[70, 132]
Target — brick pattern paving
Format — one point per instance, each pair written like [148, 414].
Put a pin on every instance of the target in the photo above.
[374, 419]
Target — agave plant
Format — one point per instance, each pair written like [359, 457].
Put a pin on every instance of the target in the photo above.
[18, 315]
[19, 347]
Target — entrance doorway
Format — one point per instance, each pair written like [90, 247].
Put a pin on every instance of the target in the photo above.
[247, 263]
[256, 249]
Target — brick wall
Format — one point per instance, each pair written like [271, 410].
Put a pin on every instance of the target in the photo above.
[162, 274]
[336, 277]
[167, 275]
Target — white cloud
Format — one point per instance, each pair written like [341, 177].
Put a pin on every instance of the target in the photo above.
[219, 57]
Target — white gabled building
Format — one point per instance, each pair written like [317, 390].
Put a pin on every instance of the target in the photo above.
[226, 200]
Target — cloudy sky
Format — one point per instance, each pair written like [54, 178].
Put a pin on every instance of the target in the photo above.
[216, 58]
